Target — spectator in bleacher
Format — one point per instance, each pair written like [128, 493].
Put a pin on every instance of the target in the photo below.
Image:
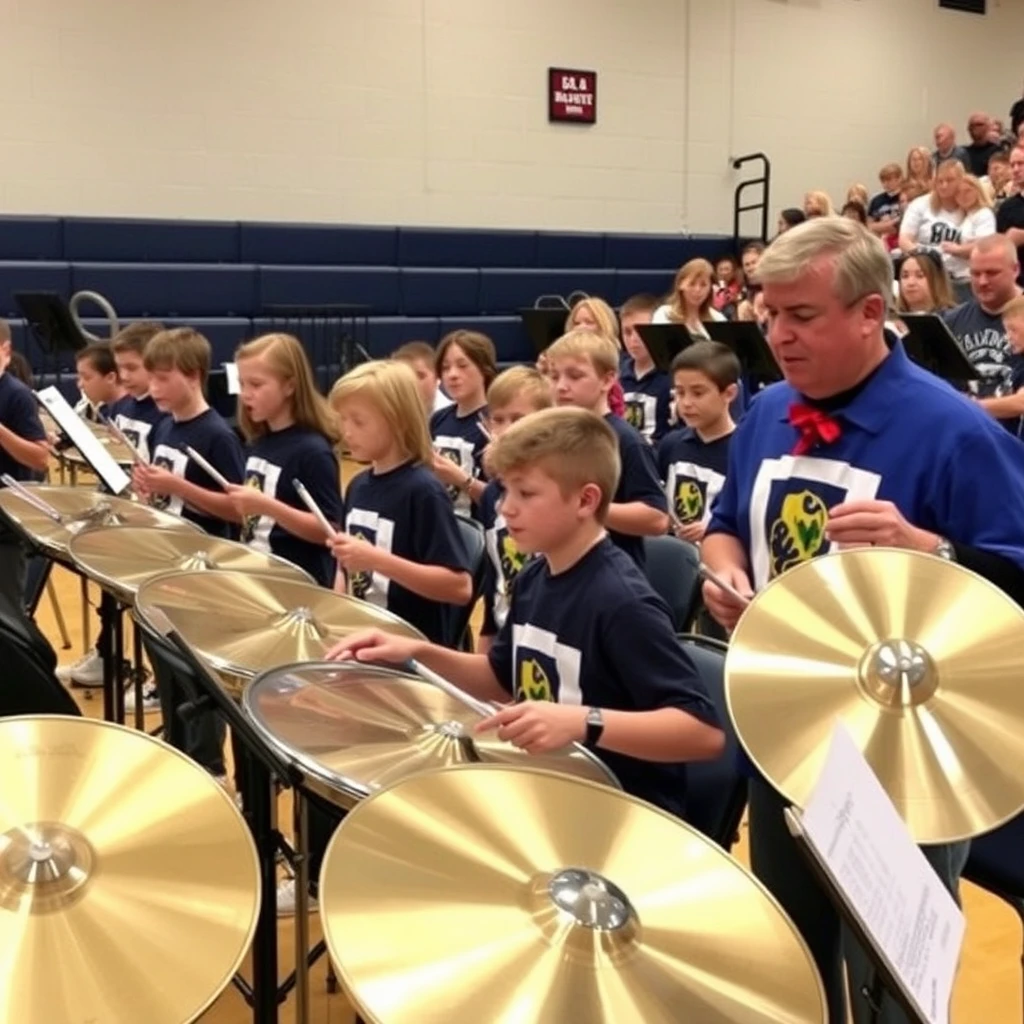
[999, 134]
[1017, 115]
[727, 292]
[858, 193]
[789, 218]
[1000, 178]
[1008, 408]
[1010, 216]
[979, 222]
[690, 301]
[981, 147]
[749, 258]
[923, 284]
[884, 210]
[936, 217]
[818, 204]
[920, 170]
[947, 149]
[978, 325]
[421, 359]
[753, 310]
[854, 210]
[593, 314]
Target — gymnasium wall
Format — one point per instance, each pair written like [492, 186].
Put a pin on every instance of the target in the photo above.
[435, 112]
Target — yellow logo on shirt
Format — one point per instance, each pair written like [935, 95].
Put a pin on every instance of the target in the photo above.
[512, 561]
[533, 682]
[635, 415]
[453, 456]
[249, 523]
[799, 532]
[689, 502]
[359, 582]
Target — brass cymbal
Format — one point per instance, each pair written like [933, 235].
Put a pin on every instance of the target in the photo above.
[246, 623]
[918, 657]
[125, 557]
[356, 728]
[517, 896]
[129, 882]
[81, 508]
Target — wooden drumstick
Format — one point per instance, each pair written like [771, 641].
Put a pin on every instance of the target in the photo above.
[308, 500]
[430, 676]
[123, 438]
[206, 467]
[33, 499]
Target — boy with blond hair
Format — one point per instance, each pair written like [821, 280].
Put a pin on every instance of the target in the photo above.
[583, 367]
[1008, 407]
[639, 706]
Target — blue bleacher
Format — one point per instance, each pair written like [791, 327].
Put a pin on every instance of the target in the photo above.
[418, 283]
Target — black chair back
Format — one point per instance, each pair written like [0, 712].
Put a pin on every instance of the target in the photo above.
[475, 541]
[716, 792]
[672, 569]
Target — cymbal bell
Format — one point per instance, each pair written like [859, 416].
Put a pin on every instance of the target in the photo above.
[81, 509]
[125, 557]
[247, 623]
[918, 657]
[517, 896]
[129, 882]
[355, 729]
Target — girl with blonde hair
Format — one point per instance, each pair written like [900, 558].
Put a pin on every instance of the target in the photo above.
[594, 314]
[690, 303]
[818, 204]
[290, 433]
[979, 221]
[936, 218]
[920, 168]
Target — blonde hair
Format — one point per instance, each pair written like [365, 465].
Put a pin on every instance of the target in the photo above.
[691, 271]
[821, 201]
[183, 349]
[572, 446]
[390, 386]
[520, 380]
[955, 168]
[598, 349]
[603, 314]
[984, 199]
[862, 266]
[857, 193]
[1014, 308]
[926, 153]
[892, 170]
[286, 359]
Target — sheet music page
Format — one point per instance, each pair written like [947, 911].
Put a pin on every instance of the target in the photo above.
[231, 373]
[858, 833]
[102, 462]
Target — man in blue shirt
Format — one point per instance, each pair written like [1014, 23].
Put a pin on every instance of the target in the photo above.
[857, 446]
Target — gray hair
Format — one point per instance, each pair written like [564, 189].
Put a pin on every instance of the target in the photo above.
[862, 266]
[996, 243]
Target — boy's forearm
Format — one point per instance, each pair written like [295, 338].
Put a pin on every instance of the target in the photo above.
[666, 735]
[637, 519]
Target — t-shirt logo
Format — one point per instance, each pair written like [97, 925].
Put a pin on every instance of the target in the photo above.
[454, 456]
[798, 532]
[534, 682]
[360, 582]
[635, 414]
[689, 500]
[162, 502]
[512, 560]
[249, 523]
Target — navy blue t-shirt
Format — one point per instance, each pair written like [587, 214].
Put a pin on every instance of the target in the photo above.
[209, 434]
[693, 471]
[19, 413]
[597, 635]
[460, 439]
[273, 463]
[405, 511]
[648, 400]
[982, 336]
[638, 482]
[136, 418]
[1016, 425]
[504, 560]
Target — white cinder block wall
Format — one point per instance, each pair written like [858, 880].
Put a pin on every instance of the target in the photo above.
[434, 111]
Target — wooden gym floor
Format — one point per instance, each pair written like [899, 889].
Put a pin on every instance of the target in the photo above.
[988, 988]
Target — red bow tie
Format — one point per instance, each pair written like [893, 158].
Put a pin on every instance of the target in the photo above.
[815, 427]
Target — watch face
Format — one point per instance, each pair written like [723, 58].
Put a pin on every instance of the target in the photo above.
[594, 717]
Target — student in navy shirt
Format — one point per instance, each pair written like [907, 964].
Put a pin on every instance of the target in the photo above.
[178, 363]
[639, 705]
[466, 365]
[858, 446]
[401, 548]
[583, 367]
[515, 394]
[136, 414]
[1008, 409]
[291, 433]
[98, 378]
[23, 453]
[692, 459]
[647, 391]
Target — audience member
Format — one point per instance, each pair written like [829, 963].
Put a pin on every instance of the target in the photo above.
[818, 204]
[947, 149]
[981, 147]
[1010, 216]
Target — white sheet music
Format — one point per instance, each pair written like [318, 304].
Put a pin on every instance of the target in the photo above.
[95, 454]
[231, 372]
[860, 836]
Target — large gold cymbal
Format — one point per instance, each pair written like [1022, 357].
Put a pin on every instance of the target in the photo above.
[247, 623]
[129, 883]
[81, 509]
[125, 557]
[517, 896]
[918, 657]
[355, 728]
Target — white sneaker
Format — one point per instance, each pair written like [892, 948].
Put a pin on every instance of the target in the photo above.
[286, 899]
[87, 671]
[150, 698]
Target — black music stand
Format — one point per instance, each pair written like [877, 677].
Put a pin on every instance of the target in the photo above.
[544, 326]
[52, 325]
[884, 980]
[933, 346]
[747, 340]
[664, 342]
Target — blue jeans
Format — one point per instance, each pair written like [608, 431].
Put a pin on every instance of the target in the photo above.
[781, 866]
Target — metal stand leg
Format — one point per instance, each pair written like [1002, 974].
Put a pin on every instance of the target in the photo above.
[300, 865]
[113, 695]
[137, 676]
[58, 614]
[85, 614]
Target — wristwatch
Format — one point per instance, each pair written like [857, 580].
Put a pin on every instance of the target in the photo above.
[944, 549]
[595, 726]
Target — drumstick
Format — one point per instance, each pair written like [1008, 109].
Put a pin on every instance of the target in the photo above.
[206, 467]
[483, 429]
[123, 438]
[722, 585]
[33, 499]
[308, 500]
[430, 676]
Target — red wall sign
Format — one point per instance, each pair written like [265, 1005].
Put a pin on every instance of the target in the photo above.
[572, 95]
